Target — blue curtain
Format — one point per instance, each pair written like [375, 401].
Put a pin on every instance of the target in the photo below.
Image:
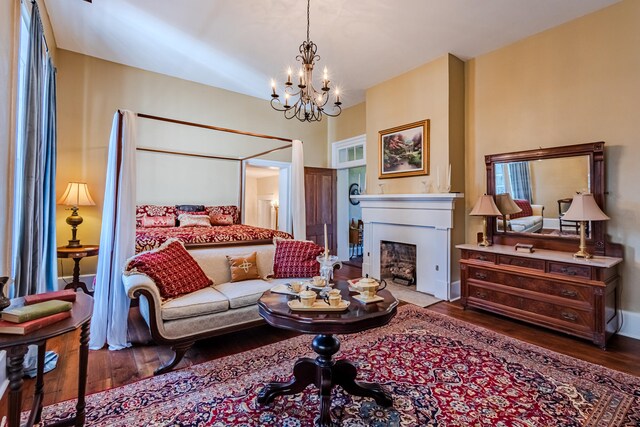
[520, 180]
[34, 255]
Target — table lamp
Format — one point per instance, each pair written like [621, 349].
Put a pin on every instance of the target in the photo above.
[584, 208]
[485, 207]
[76, 194]
[506, 206]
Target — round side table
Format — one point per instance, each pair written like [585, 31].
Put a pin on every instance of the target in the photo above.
[77, 254]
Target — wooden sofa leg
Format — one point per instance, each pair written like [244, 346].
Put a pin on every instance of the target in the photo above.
[179, 351]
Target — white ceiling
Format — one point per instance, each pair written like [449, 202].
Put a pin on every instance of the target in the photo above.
[240, 45]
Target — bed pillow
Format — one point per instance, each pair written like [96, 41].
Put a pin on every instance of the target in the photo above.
[220, 219]
[158, 221]
[525, 206]
[189, 220]
[295, 258]
[190, 208]
[153, 211]
[171, 267]
[225, 210]
[244, 267]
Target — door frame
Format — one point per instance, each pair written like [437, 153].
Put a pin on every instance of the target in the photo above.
[342, 191]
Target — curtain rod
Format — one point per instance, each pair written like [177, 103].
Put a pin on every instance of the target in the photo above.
[221, 129]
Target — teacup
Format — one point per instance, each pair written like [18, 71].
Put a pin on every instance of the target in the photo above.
[335, 299]
[296, 286]
[307, 298]
[318, 280]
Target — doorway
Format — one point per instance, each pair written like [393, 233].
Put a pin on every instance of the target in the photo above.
[267, 194]
[349, 158]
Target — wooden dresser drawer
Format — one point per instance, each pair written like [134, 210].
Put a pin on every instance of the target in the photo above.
[481, 256]
[543, 286]
[570, 269]
[582, 319]
[536, 264]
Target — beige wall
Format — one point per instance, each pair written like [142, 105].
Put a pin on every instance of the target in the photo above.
[572, 84]
[351, 122]
[90, 90]
[555, 179]
[423, 93]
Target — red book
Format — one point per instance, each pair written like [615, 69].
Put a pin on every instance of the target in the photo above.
[64, 295]
[31, 325]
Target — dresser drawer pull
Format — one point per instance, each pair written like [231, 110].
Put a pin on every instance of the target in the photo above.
[481, 276]
[482, 258]
[568, 293]
[481, 294]
[567, 271]
[569, 316]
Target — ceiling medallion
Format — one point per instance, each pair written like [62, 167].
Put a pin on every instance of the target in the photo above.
[310, 103]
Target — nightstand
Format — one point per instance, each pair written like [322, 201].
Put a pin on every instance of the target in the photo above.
[77, 254]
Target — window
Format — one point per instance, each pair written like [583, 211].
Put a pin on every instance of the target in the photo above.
[349, 153]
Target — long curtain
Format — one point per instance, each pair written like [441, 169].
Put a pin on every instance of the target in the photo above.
[298, 212]
[520, 180]
[34, 253]
[117, 237]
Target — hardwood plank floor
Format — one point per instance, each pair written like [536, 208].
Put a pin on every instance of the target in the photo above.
[116, 368]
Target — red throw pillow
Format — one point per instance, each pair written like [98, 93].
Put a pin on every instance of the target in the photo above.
[295, 258]
[159, 221]
[172, 269]
[526, 209]
[221, 219]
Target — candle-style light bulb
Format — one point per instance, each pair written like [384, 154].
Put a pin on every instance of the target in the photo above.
[273, 86]
[326, 75]
[300, 74]
[286, 99]
[337, 96]
[289, 75]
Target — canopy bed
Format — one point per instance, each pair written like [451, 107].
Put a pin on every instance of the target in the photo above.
[119, 238]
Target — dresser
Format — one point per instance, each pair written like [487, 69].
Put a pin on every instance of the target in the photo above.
[548, 288]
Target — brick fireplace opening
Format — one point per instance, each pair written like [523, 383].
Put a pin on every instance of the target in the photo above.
[398, 262]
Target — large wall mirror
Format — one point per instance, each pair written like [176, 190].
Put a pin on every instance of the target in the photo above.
[538, 187]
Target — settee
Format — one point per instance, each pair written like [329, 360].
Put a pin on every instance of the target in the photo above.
[214, 310]
[530, 220]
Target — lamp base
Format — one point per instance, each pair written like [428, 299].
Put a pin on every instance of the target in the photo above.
[74, 244]
[485, 243]
[582, 255]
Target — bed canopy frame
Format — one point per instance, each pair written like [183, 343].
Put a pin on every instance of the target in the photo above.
[242, 160]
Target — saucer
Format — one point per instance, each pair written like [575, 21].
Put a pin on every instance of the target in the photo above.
[375, 298]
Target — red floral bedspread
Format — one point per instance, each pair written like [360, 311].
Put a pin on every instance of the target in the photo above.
[152, 237]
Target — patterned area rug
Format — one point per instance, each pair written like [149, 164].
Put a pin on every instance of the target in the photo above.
[440, 371]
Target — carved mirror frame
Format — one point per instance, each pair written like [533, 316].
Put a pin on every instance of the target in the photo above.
[595, 152]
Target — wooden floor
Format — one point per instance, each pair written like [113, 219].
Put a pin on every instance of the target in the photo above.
[115, 368]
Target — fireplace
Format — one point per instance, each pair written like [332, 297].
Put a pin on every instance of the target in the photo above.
[398, 262]
[424, 221]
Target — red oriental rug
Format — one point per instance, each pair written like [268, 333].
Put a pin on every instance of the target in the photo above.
[440, 371]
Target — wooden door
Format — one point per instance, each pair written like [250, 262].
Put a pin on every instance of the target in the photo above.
[320, 200]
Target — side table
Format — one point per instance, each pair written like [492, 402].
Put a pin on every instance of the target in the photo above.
[16, 346]
[77, 254]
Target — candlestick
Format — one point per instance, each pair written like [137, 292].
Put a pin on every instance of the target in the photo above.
[273, 86]
[326, 242]
[449, 178]
[289, 76]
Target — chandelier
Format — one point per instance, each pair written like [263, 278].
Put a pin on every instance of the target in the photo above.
[310, 103]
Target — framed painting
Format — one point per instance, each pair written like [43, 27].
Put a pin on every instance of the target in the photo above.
[404, 150]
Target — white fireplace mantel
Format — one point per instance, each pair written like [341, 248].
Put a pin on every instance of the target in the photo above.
[423, 220]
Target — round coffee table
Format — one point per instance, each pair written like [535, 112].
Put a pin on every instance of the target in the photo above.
[323, 371]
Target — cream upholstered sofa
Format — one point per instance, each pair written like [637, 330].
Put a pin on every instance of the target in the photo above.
[219, 309]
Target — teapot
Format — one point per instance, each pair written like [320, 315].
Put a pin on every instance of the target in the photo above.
[368, 286]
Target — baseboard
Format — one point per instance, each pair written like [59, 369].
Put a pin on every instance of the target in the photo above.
[86, 278]
[454, 291]
[630, 324]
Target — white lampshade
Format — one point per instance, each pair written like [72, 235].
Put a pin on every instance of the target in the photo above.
[506, 205]
[485, 206]
[76, 194]
[584, 208]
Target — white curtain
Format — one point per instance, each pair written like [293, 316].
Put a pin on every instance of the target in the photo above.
[298, 212]
[117, 238]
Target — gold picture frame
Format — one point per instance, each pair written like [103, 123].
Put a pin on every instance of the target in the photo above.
[404, 150]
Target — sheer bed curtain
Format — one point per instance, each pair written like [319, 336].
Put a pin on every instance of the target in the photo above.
[298, 212]
[117, 237]
[34, 240]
